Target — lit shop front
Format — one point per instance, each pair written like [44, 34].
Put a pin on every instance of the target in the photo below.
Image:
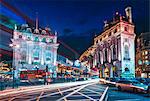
[5, 70]
[68, 71]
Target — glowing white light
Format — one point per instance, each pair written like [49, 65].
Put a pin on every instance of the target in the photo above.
[17, 46]
[11, 45]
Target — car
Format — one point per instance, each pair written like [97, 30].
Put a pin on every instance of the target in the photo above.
[95, 77]
[142, 80]
[80, 79]
[132, 85]
[109, 81]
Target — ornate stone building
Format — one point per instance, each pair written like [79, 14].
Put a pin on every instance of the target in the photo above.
[114, 53]
[34, 50]
[143, 55]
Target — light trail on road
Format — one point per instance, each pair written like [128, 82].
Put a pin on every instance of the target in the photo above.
[84, 90]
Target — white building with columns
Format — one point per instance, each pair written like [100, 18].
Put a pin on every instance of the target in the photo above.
[34, 49]
[114, 48]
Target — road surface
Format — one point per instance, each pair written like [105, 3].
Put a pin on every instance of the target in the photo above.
[115, 95]
[85, 92]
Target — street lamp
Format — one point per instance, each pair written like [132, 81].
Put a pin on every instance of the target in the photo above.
[13, 86]
[46, 74]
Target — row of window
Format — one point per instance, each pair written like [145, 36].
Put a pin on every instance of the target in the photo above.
[126, 28]
[36, 55]
[105, 54]
[145, 53]
[146, 62]
[36, 39]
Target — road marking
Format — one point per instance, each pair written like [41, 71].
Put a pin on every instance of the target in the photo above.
[83, 86]
[56, 93]
[86, 96]
[38, 98]
[61, 93]
[104, 94]
[11, 99]
[129, 100]
[52, 86]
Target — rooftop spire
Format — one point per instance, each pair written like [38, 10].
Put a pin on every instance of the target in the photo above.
[55, 33]
[129, 14]
[36, 22]
[36, 29]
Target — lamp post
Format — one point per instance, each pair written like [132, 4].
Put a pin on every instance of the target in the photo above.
[13, 76]
[46, 74]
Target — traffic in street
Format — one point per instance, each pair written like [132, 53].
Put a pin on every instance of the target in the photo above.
[121, 89]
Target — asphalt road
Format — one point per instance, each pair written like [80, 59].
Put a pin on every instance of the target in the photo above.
[115, 95]
[86, 92]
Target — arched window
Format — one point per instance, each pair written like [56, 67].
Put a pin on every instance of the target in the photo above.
[99, 57]
[126, 52]
[127, 69]
[36, 54]
[44, 40]
[105, 54]
[23, 55]
[114, 52]
[48, 56]
[36, 39]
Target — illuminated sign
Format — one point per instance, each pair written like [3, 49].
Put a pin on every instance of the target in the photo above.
[4, 67]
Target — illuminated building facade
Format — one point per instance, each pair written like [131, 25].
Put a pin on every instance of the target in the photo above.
[143, 55]
[114, 52]
[34, 50]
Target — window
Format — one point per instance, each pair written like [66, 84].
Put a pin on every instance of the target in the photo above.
[104, 36]
[146, 52]
[115, 30]
[44, 40]
[36, 51]
[23, 55]
[140, 62]
[146, 57]
[126, 40]
[48, 56]
[143, 53]
[125, 28]
[105, 54]
[109, 34]
[126, 69]
[126, 52]
[114, 52]
[96, 41]
[99, 57]
[146, 62]
[36, 39]
[20, 36]
[36, 55]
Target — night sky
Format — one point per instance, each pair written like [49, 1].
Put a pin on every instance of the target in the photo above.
[78, 21]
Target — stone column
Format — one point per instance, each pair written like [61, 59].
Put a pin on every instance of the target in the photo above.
[42, 54]
[103, 72]
[119, 49]
[30, 53]
[111, 71]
